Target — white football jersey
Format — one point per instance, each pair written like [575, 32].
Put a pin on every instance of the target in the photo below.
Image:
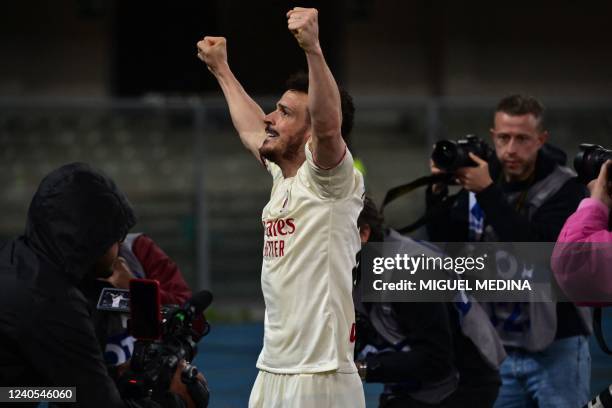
[310, 243]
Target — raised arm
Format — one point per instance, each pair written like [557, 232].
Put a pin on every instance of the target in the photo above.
[582, 256]
[247, 116]
[324, 107]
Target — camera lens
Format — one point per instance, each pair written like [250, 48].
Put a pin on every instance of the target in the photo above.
[589, 160]
[189, 373]
[444, 155]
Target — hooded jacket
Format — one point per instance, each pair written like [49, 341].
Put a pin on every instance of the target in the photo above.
[47, 336]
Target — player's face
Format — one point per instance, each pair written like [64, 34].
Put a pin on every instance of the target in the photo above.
[287, 128]
[517, 140]
[103, 267]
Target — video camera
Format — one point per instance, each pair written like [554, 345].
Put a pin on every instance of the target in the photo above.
[164, 336]
[589, 160]
[449, 155]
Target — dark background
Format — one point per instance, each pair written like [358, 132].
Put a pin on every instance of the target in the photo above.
[423, 48]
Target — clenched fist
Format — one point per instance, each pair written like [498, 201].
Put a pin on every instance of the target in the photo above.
[304, 24]
[213, 51]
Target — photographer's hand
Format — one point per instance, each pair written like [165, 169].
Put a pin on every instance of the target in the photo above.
[121, 274]
[600, 188]
[436, 188]
[178, 387]
[475, 179]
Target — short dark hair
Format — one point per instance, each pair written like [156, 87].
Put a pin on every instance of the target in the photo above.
[371, 216]
[299, 82]
[517, 105]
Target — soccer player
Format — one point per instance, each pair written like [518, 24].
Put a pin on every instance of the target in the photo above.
[310, 228]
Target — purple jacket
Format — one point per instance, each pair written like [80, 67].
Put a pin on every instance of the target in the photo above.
[582, 258]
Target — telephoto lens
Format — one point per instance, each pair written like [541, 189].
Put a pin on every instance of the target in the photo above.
[449, 155]
[589, 160]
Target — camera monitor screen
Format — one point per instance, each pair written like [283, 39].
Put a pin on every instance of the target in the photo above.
[145, 309]
[114, 300]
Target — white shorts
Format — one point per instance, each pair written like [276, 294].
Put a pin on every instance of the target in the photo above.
[321, 390]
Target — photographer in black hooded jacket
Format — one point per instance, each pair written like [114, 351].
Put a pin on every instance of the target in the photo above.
[523, 194]
[75, 223]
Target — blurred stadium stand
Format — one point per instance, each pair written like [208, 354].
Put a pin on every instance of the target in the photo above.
[199, 193]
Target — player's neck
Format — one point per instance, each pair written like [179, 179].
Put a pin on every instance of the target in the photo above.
[290, 168]
[290, 163]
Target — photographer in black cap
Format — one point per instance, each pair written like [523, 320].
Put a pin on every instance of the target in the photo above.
[76, 221]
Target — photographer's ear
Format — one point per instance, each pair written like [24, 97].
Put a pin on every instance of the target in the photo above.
[543, 137]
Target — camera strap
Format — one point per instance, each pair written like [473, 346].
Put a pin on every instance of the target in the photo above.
[597, 313]
[400, 191]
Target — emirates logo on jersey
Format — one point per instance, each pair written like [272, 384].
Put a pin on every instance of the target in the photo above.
[279, 227]
[275, 233]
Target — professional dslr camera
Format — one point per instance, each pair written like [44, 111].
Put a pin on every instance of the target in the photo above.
[589, 160]
[449, 155]
[165, 336]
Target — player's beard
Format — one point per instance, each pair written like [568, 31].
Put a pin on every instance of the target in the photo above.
[284, 150]
[269, 152]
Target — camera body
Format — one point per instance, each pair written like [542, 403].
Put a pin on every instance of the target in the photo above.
[154, 361]
[164, 337]
[449, 155]
[589, 160]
